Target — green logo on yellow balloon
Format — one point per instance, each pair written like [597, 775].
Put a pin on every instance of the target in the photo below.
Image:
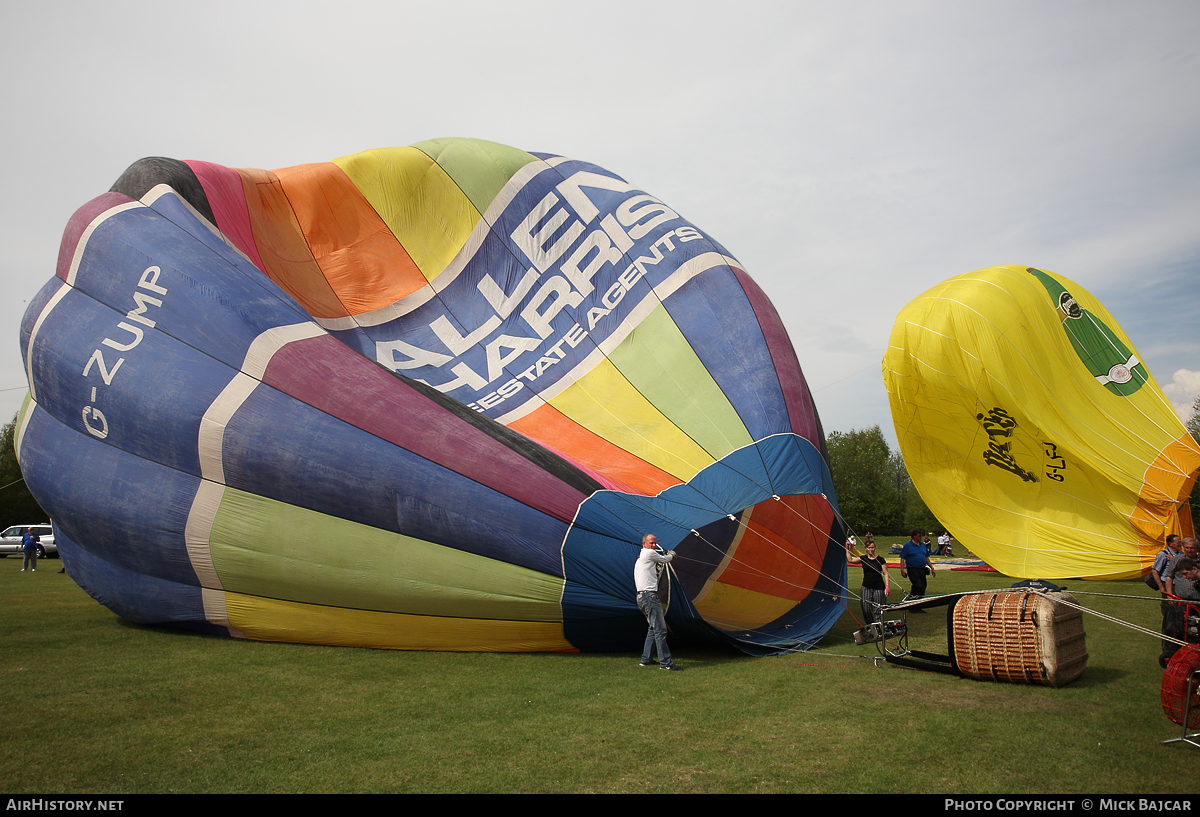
[1108, 359]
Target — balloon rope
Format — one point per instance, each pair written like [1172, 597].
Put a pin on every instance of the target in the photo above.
[1113, 595]
[750, 570]
[843, 598]
[1137, 628]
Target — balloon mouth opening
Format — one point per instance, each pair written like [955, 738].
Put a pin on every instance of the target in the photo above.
[755, 569]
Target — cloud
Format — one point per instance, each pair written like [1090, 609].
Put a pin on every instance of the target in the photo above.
[1183, 391]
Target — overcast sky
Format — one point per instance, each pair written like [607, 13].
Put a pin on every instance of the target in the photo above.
[850, 154]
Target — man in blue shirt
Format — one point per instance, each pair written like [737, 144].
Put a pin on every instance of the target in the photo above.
[29, 544]
[914, 562]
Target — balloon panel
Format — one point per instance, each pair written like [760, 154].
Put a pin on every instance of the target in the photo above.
[423, 397]
[1032, 428]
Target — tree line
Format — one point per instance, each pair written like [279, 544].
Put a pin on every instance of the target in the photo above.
[874, 490]
[17, 505]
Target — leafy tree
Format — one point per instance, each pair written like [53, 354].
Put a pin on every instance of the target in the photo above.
[868, 480]
[916, 512]
[17, 505]
[918, 515]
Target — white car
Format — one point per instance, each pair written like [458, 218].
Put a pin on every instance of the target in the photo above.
[12, 540]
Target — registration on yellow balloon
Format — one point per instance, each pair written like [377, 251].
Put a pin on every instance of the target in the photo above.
[1033, 429]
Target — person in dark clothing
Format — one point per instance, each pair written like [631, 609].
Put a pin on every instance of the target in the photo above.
[876, 585]
[915, 564]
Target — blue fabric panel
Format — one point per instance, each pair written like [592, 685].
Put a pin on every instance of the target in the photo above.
[131, 512]
[36, 305]
[611, 523]
[602, 623]
[715, 316]
[803, 466]
[237, 302]
[159, 389]
[318, 462]
[134, 596]
[357, 339]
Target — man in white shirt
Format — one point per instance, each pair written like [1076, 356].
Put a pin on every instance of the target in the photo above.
[944, 543]
[649, 567]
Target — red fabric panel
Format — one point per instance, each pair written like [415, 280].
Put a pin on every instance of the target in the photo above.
[223, 188]
[78, 223]
[802, 411]
[784, 538]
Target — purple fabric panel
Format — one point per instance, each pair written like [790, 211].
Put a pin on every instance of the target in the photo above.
[338, 381]
[227, 198]
[801, 410]
[79, 222]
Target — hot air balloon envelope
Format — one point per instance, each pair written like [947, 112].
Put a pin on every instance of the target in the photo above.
[1032, 428]
[425, 397]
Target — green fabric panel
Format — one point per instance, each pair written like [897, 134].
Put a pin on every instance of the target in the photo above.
[263, 547]
[659, 362]
[479, 168]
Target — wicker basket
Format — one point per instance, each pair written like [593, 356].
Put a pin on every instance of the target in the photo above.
[1019, 637]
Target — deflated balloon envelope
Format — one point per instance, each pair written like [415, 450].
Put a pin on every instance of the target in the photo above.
[1032, 428]
[425, 397]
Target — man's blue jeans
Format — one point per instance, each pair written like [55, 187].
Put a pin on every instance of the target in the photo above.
[651, 607]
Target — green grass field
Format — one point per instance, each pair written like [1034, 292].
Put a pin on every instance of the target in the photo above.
[98, 705]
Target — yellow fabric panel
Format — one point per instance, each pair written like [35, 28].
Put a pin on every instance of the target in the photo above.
[1014, 442]
[641, 429]
[735, 608]
[422, 206]
[264, 547]
[262, 619]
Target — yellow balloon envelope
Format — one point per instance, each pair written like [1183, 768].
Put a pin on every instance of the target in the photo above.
[1032, 428]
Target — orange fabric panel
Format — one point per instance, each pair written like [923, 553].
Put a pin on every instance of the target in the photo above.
[549, 426]
[360, 258]
[1158, 513]
[783, 538]
[285, 254]
[1171, 476]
